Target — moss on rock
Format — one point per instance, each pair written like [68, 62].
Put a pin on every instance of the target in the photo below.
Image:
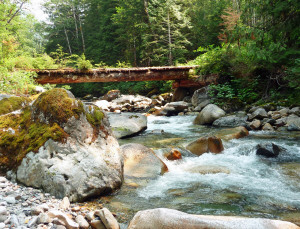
[11, 104]
[19, 134]
[44, 120]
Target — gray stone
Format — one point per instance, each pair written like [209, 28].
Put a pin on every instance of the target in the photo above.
[293, 120]
[107, 219]
[295, 111]
[231, 121]
[200, 96]
[284, 112]
[259, 113]
[14, 221]
[10, 199]
[268, 150]
[267, 127]
[202, 105]
[293, 127]
[209, 114]
[127, 125]
[33, 222]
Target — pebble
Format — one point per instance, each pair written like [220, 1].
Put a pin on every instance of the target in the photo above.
[29, 208]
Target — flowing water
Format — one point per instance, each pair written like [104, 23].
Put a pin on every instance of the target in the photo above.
[254, 187]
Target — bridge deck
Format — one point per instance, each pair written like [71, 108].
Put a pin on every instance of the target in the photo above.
[67, 76]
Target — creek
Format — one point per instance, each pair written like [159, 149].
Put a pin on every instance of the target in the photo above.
[255, 186]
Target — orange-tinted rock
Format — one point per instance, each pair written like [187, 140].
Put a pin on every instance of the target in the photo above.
[233, 133]
[173, 155]
[206, 144]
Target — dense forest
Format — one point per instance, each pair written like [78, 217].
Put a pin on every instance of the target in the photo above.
[252, 44]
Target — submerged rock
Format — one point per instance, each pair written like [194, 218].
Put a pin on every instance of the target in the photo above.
[140, 161]
[205, 145]
[173, 155]
[63, 147]
[233, 133]
[268, 150]
[126, 125]
[209, 169]
[163, 218]
[209, 114]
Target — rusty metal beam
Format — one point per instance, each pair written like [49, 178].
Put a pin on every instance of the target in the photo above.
[68, 76]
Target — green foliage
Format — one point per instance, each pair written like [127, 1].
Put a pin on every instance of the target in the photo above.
[83, 64]
[237, 90]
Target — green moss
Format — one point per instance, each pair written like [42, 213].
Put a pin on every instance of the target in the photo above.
[94, 116]
[28, 136]
[20, 133]
[14, 103]
[57, 106]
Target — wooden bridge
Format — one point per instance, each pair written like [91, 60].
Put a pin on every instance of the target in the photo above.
[184, 75]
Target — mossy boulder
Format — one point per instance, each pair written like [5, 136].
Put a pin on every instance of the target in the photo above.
[54, 143]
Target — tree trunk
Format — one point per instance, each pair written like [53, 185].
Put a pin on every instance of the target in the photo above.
[170, 41]
[82, 37]
[67, 38]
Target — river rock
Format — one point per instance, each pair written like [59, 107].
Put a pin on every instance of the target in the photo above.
[68, 148]
[97, 224]
[163, 218]
[293, 120]
[173, 155]
[140, 161]
[231, 121]
[127, 125]
[200, 96]
[82, 222]
[295, 111]
[268, 150]
[267, 127]
[67, 222]
[107, 219]
[111, 95]
[103, 104]
[232, 133]
[209, 114]
[255, 124]
[65, 203]
[209, 169]
[205, 145]
[179, 94]
[3, 214]
[259, 113]
[202, 105]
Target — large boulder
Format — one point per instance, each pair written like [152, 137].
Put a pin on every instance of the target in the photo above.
[232, 133]
[231, 121]
[126, 125]
[200, 96]
[62, 146]
[268, 150]
[171, 109]
[206, 144]
[163, 218]
[209, 114]
[141, 162]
